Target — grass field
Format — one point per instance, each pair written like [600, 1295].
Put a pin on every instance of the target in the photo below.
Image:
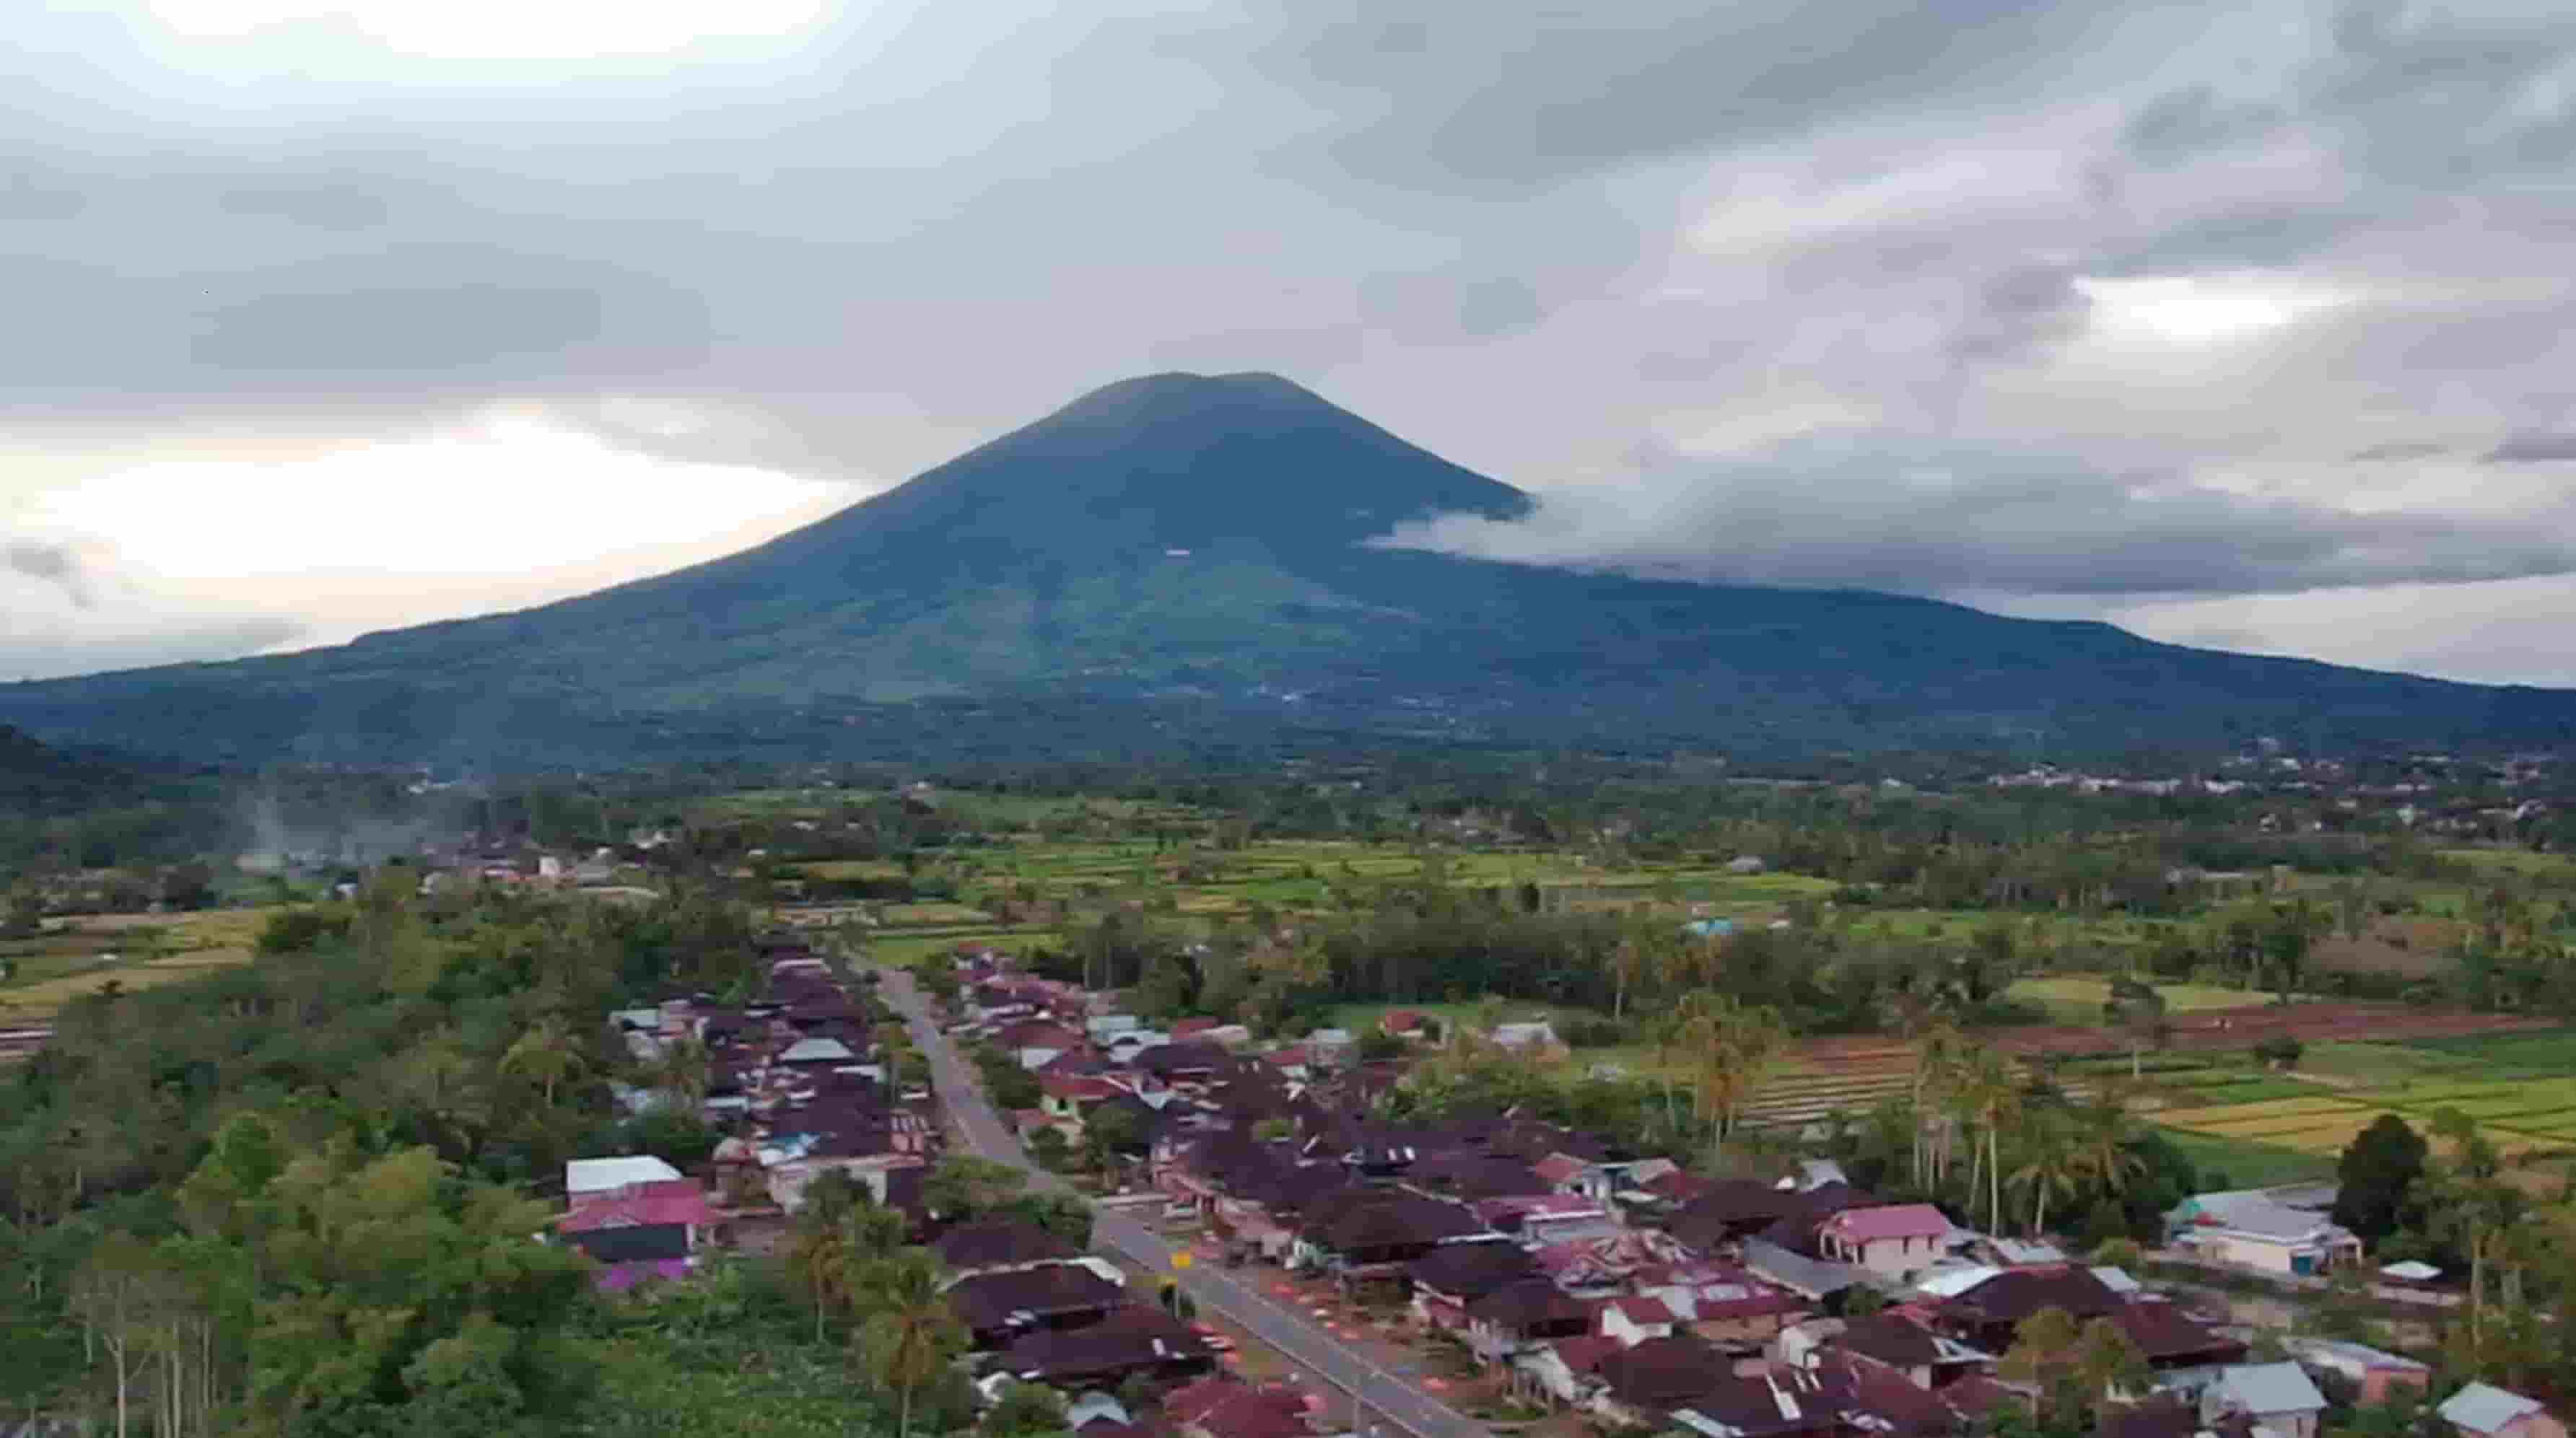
[2239, 1163]
[78, 956]
[2078, 998]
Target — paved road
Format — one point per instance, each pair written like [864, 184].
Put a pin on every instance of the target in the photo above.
[1300, 1341]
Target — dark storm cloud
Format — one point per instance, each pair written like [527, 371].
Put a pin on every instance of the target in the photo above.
[1910, 513]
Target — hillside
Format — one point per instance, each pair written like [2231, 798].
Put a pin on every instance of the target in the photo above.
[1177, 561]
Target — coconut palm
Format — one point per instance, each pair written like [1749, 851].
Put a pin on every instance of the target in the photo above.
[911, 1335]
[1987, 1093]
[825, 1259]
[1937, 1065]
[2050, 1166]
[1734, 1047]
[547, 1056]
[2101, 1138]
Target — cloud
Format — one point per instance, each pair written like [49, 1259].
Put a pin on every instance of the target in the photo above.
[1890, 510]
[53, 563]
[2189, 298]
[2534, 449]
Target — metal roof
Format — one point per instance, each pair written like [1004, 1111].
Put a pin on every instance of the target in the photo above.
[2484, 1408]
[590, 1175]
[2261, 1388]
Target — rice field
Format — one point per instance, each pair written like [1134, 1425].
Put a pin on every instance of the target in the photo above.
[2520, 1118]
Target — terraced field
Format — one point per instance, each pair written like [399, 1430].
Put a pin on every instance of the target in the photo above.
[2526, 1120]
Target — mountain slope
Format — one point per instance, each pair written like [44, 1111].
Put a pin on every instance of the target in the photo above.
[1179, 560]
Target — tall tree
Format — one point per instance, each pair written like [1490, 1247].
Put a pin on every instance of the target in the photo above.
[2378, 1178]
[910, 1335]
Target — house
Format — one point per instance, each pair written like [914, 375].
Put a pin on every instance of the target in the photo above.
[1065, 1098]
[1892, 1239]
[2277, 1397]
[586, 1178]
[1773, 1403]
[1982, 1307]
[1635, 1319]
[998, 1307]
[2484, 1411]
[1567, 1371]
[1375, 1232]
[1401, 1023]
[2270, 1230]
[1466, 1174]
[2171, 1339]
[1813, 1279]
[1746, 865]
[1229, 1408]
[1658, 1376]
[1521, 1314]
[1900, 1340]
[864, 1152]
[993, 1245]
[1453, 1275]
[1728, 1309]
[1134, 1339]
[2372, 1375]
[2164, 1415]
[642, 1223]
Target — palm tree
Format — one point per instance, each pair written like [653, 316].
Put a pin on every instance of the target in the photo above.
[1937, 1056]
[824, 1256]
[1988, 1092]
[911, 1335]
[547, 1056]
[2101, 1144]
[1736, 1046]
[2049, 1164]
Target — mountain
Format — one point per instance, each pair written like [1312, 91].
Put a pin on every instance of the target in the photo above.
[1180, 562]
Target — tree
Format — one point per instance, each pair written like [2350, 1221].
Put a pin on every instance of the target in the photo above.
[1061, 1214]
[2050, 1164]
[1111, 1132]
[2280, 1051]
[962, 1186]
[1988, 1092]
[2108, 1362]
[2101, 1147]
[2139, 1011]
[547, 1056]
[1027, 1410]
[910, 1335]
[2043, 1355]
[2378, 1178]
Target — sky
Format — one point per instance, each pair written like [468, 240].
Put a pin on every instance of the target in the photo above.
[2239, 326]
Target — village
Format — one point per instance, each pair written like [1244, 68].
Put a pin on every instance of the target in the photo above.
[1272, 1257]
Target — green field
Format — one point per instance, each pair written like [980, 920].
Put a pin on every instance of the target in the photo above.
[74, 957]
[2078, 998]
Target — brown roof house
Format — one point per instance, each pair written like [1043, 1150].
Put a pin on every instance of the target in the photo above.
[1358, 1233]
[1522, 1315]
[998, 1307]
